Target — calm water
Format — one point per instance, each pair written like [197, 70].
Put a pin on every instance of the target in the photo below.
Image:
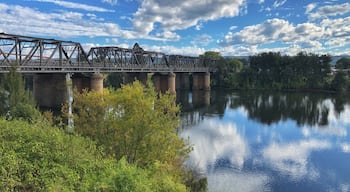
[260, 141]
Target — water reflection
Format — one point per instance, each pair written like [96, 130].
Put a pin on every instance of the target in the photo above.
[291, 159]
[214, 142]
[258, 141]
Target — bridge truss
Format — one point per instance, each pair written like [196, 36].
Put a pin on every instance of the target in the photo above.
[40, 55]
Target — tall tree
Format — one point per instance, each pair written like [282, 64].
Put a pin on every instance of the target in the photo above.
[17, 102]
[133, 122]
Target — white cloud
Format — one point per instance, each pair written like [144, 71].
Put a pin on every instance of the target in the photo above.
[178, 14]
[261, 1]
[202, 40]
[310, 7]
[112, 2]
[28, 21]
[168, 35]
[310, 37]
[233, 28]
[277, 3]
[329, 11]
[73, 5]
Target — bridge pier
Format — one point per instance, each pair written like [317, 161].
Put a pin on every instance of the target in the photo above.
[90, 83]
[80, 82]
[96, 82]
[164, 82]
[201, 81]
[50, 90]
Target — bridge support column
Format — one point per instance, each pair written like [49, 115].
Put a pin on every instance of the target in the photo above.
[50, 90]
[172, 82]
[96, 82]
[182, 81]
[164, 82]
[201, 81]
[80, 82]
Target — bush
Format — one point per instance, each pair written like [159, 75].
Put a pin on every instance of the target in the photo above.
[36, 158]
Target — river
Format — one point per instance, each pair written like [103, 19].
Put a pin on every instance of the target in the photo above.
[268, 141]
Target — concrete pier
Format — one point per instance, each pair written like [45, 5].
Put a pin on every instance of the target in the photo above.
[80, 82]
[50, 90]
[201, 81]
[164, 82]
[96, 82]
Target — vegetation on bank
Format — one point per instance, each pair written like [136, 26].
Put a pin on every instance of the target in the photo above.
[275, 71]
[124, 140]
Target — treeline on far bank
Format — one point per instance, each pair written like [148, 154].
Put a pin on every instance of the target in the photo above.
[271, 70]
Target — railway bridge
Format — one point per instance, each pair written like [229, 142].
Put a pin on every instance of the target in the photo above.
[51, 61]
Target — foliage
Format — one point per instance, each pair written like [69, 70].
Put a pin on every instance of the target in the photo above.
[343, 63]
[16, 102]
[341, 81]
[37, 158]
[273, 71]
[133, 122]
[114, 80]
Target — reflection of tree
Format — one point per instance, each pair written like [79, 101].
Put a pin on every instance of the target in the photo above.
[202, 104]
[266, 107]
[304, 108]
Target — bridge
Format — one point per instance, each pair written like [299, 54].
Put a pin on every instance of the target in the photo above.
[51, 60]
[40, 55]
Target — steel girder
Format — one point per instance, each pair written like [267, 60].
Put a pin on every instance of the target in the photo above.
[40, 55]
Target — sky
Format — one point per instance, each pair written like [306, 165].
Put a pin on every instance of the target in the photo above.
[187, 27]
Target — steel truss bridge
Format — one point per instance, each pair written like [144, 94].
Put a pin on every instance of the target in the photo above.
[40, 55]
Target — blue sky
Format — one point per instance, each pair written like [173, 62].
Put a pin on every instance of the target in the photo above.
[187, 27]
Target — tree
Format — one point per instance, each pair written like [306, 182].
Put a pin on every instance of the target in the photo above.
[343, 63]
[341, 81]
[35, 157]
[133, 122]
[16, 102]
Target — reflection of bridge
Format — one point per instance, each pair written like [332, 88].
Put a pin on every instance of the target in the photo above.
[50, 60]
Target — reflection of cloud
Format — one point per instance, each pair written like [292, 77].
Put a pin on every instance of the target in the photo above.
[233, 181]
[292, 159]
[332, 130]
[345, 147]
[213, 141]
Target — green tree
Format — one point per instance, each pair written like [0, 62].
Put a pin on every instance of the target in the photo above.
[341, 81]
[133, 122]
[35, 157]
[16, 102]
[343, 63]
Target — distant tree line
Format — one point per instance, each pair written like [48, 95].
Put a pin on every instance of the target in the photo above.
[271, 70]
